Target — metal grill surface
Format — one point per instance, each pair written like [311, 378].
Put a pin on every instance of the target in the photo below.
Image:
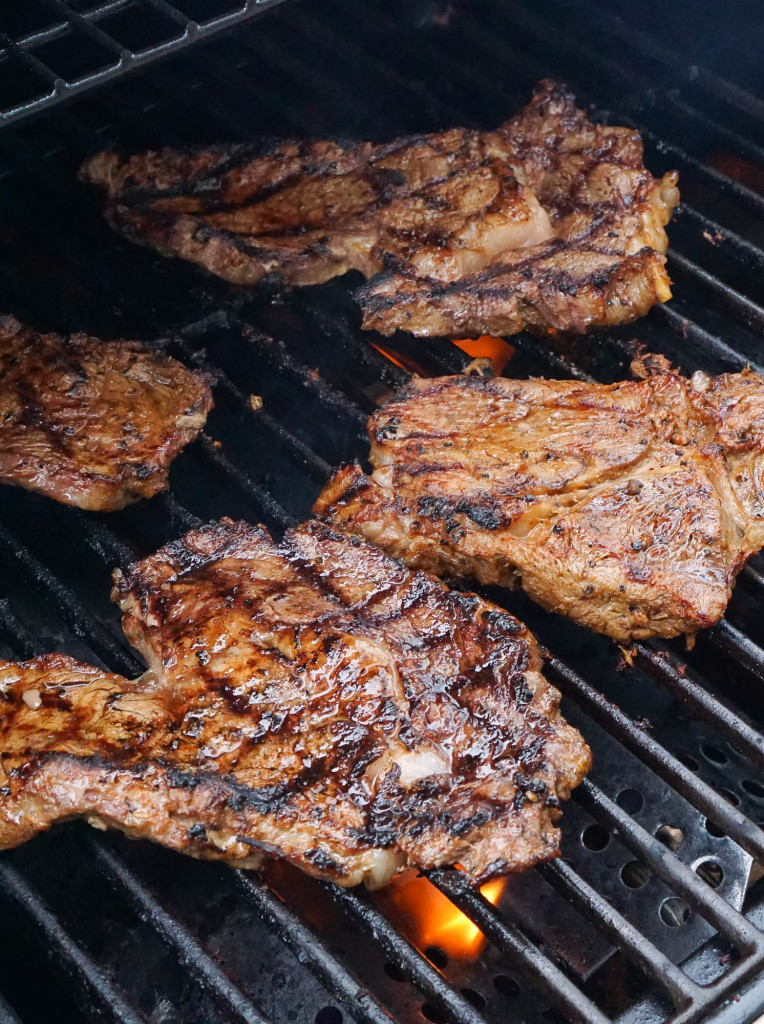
[51, 50]
[655, 912]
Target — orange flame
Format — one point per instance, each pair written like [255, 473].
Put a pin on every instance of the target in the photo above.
[435, 921]
[389, 355]
[486, 346]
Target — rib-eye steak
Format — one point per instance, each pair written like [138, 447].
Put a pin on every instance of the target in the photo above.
[313, 700]
[604, 265]
[92, 423]
[629, 507]
[550, 222]
[308, 211]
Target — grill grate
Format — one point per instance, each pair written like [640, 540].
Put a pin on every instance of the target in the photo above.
[55, 562]
[55, 49]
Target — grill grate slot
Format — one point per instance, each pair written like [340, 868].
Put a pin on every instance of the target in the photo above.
[402, 954]
[736, 825]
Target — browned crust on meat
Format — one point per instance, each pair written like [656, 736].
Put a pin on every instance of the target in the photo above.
[543, 291]
[629, 507]
[605, 265]
[92, 423]
[314, 701]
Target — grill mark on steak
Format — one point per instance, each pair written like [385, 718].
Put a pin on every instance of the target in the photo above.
[92, 423]
[629, 507]
[345, 713]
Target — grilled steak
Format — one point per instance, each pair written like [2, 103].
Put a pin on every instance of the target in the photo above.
[604, 266]
[550, 222]
[629, 507]
[93, 423]
[312, 700]
[307, 211]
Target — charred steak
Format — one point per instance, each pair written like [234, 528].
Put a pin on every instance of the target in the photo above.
[629, 507]
[312, 700]
[93, 423]
[308, 211]
[550, 222]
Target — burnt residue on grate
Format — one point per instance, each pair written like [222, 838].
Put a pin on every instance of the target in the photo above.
[658, 893]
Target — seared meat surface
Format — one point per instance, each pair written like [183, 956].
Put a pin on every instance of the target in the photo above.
[550, 222]
[308, 211]
[312, 700]
[604, 265]
[93, 423]
[629, 507]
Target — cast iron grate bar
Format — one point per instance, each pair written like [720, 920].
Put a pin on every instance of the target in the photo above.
[79, 620]
[745, 249]
[272, 510]
[175, 934]
[732, 640]
[311, 951]
[362, 912]
[511, 941]
[14, 634]
[275, 355]
[103, 540]
[677, 875]
[177, 513]
[742, 309]
[740, 828]
[708, 344]
[85, 25]
[318, 468]
[738, 733]
[7, 1015]
[656, 965]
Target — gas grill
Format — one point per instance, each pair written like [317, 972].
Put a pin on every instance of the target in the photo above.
[656, 910]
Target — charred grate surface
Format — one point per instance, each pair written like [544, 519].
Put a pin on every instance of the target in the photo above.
[649, 916]
[51, 50]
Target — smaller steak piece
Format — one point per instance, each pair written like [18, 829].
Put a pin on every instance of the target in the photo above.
[604, 264]
[629, 507]
[93, 423]
[312, 700]
[308, 211]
